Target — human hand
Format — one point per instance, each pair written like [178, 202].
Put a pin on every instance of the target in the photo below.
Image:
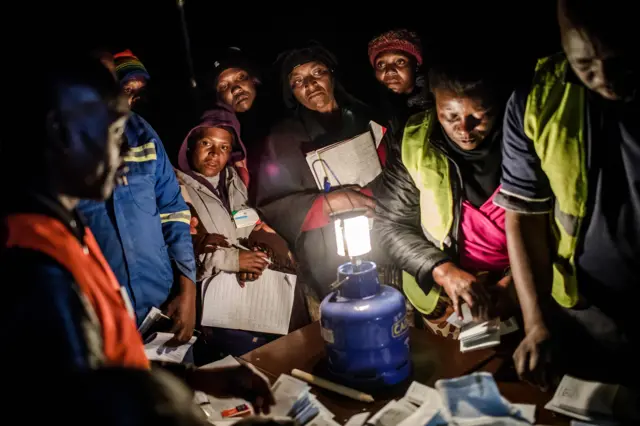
[532, 357]
[252, 261]
[264, 227]
[193, 225]
[182, 310]
[243, 381]
[243, 277]
[459, 284]
[347, 199]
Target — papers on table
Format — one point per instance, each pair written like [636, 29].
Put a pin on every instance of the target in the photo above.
[358, 419]
[480, 335]
[351, 162]
[476, 400]
[393, 413]
[594, 402]
[156, 349]
[263, 305]
[155, 321]
[293, 399]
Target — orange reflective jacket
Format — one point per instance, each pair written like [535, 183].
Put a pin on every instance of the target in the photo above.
[121, 342]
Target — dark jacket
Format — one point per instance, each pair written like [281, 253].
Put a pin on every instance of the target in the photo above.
[286, 190]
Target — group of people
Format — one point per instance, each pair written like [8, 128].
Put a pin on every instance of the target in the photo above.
[522, 202]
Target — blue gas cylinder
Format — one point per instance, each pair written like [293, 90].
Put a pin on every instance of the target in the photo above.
[365, 329]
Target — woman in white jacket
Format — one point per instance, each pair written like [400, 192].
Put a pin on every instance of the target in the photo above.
[215, 192]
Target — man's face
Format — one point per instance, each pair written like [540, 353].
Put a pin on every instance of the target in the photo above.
[133, 89]
[236, 88]
[395, 70]
[312, 85]
[466, 120]
[603, 69]
[211, 150]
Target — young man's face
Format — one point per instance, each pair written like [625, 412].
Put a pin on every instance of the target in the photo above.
[466, 120]
[236, 88]
[606, 70]
[395, 70]
[133, 89]
[211, 150]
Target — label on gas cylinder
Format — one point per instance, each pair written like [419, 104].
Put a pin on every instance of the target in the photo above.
[400, 326]
[327, 335]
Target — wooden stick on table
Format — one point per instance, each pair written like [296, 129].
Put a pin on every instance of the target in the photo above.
[334, 387]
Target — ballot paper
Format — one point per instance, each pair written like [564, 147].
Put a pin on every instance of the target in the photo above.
[322, 420]
[151, 321]
[393, 413]
[293, 399]
[526, 412]
[582, 399]
[227, 362]
[351, 162]
[263, 305]
[324, 411]
[466, 317]
[155, 348]
[424, 415]
[358, 419]
[472, 396]
[485, 334]
[422, 395]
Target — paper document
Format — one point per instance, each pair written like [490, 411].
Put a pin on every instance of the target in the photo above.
[472, 396]
[393, 413]
[351, 162]
[358, 419]
[582, 399]
[378, 132]
[424, 415]
[263, 305]
[322, 420]
[156, 349]
[227, 362]
[420, 395]
[155, 315]
[526, 411]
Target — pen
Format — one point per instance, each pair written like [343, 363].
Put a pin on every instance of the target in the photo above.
[241, 247]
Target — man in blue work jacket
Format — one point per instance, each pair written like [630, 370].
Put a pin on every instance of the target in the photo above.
[143, 229]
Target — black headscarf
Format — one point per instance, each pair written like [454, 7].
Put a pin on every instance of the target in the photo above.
[481, 167]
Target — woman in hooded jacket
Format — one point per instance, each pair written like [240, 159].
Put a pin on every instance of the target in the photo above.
[215, 190]
[322, 113]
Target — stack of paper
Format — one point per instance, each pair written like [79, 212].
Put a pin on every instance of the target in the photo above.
[594, 401]
[156, 349]
[263, 305]
[476, 400]
[293, 400]
[480, 335]
[351, 162]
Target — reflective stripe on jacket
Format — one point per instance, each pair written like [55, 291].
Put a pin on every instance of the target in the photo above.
[555, 121]
[143, 229]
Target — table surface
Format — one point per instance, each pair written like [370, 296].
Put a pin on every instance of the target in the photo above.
[433, 358]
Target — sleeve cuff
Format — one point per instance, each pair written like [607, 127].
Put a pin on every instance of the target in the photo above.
[520, 204]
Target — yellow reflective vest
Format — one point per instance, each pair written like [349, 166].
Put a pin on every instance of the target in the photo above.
[554, 120]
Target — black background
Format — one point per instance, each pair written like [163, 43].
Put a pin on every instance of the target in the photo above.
[511, 33]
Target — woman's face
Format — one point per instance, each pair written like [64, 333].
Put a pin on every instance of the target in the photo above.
[211, 150]
[312, 85]
[466, 120]
[395, 70]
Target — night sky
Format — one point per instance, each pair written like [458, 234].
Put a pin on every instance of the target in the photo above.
[516, 32]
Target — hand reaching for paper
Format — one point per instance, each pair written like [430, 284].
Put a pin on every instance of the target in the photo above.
[532, 358]
[459, 284]
[349, 198]
[243, 381]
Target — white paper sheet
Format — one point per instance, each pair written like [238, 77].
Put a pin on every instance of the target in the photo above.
[420, 395]
[354, 162]
[156, 350]
[154, 315]
[393, 413]
[226, 362]
[322, 420]
[378, 132]
[527, 411]
[582, 399]
[263, 305]
[358, 419]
